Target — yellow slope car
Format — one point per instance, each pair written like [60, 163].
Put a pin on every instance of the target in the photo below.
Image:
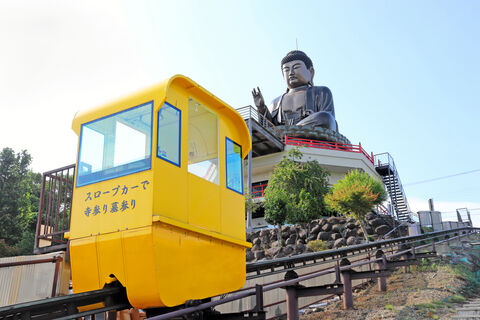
[158, 200]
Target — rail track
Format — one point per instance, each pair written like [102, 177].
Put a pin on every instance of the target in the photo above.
[345, 260]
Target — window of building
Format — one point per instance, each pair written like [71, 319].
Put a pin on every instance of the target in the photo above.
[115, 145]
[234, 166]
[169, 134]
[202, 142]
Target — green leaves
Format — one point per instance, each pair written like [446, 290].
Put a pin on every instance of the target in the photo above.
[356, 194]
[295, 191]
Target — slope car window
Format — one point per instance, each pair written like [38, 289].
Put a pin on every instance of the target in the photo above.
[234, 166]
[115, 145]
[202, 142]
[169, 130]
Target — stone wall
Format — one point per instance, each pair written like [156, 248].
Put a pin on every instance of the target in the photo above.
[335, 231]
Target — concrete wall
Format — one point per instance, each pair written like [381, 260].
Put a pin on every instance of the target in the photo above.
[338, 163]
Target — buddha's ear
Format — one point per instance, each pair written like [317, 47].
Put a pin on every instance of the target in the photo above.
[312, 73]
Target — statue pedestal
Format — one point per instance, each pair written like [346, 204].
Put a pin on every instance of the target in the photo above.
[315, 133]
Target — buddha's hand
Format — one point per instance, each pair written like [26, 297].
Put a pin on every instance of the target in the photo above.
[258, 99]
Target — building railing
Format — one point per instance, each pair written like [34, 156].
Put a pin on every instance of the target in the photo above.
[249, 112]
[54, 211]
[309, 143]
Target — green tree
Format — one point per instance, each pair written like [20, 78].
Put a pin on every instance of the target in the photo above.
[19, 198]
[295, 191]
[356, 195]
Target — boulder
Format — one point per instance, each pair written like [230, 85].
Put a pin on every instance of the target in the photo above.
[291, 240]
[370, 216]
[302, 234]
[256, 247]
[250, 256]
[351, 220]
[351, 225]
[322, 222]
[275, 244]
[330, 244]
[360, 233]
[272, 252]
[339, 243]
[257, 241]
[382, 230]
[351, 241]
[316, 229]
[300, 241]
[285, 229]
[300, 247]
[324, 236]
[349, 233]
[327, 227]
[288, 249]
[264, 233]
[259, 254]
[337, 228]
[375, 222]
[335, 236]
[311, 237]
[333, 220]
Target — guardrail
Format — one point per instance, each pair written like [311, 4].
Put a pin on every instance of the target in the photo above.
[54, 210]
[343, 270]
[309, 143]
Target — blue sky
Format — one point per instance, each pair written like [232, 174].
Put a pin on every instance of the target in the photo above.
[404, 75]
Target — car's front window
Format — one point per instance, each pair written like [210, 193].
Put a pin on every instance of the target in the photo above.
[116, 145]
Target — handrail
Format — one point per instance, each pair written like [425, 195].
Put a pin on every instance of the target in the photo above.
[318, 144]
[249, 112]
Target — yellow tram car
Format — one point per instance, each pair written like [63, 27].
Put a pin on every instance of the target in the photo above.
[158, 198]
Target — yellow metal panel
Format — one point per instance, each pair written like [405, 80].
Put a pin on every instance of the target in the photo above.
[124, 202]
[204, 203]
[140, 269]
[194, 266]
[83, 254]
[233, 223]
[110, 257]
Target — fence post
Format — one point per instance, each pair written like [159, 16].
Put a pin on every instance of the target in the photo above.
[382, 265]
[292, 303]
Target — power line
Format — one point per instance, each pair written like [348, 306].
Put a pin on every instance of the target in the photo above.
[443, 177]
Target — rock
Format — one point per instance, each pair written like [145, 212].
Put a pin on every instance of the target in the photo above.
[349, 233]
[291, 240]
[370, 216]
[351, 241]
[324, 236]
[285, 229]
[300, 241]
[339, 243]
[250, 255]
[264, 233]
[375, 222]
[360, 233]
[327, 227]
[382, 230]
[322, 222]
[333, 220]
[316, 229]
[369, 230]
[308, 250]
[272, 252]
[288, 249]
[337, 228]
[285, 235]
[279, 255]
[256, 247]
[351, 220]
[275, 244]
[311, 237]
[335, 236]
[259, 254]
[302, 234]
[351, 225]
[299, 248]
[257, 241]
[330, 244]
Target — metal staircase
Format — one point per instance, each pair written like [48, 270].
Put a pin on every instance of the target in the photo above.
[385, 166]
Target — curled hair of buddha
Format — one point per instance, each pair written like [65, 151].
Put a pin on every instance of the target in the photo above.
[297, 55]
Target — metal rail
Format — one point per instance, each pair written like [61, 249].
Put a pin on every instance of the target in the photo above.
[66, 307]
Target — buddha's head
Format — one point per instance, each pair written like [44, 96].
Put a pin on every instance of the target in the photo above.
[297, 69]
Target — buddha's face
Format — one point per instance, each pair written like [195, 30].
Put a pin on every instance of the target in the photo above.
[296, 73]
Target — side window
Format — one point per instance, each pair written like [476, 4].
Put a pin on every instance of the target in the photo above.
[202, 142]
[234, 166]
[169, 134]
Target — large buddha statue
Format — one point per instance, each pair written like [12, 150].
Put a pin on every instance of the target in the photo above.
[302, 103]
